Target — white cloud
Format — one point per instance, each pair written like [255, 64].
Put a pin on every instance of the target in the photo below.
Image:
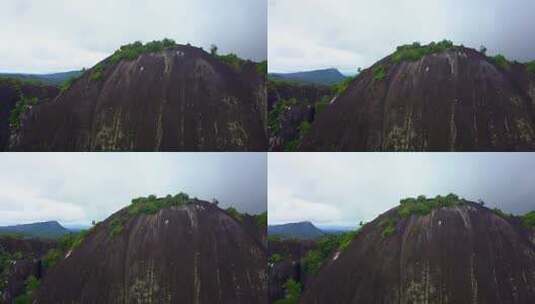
[309, 34]
[80, 187]
[346, 188]
[59, 35]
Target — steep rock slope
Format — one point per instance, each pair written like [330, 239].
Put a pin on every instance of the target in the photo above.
[195, 253]
[11, 91]
[460, 254]
[177, 99]
[454, 100]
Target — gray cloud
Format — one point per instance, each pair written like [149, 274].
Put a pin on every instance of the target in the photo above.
[58, 35]
[345, 188]
[76, 188]
[311, 34]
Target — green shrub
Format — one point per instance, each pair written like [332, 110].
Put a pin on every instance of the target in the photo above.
[379, 73]
[96, 73]
[133, 50]
[321, 105]
[67, 84]
[528, 219]
[342, 86]
[52, 257]
[293, 292]
[389, 227]
[275, 258]
[276, 112]
[415, 51]
[116, 227]
[304, 128]
[501, 61]
[261, 219]
[152, 204]
[23, 104]
[32, 284]
[422, 205]
[261, 67]
[326, 245]
[232, 60]
[234, 213]
[292, 145]
[530, 67]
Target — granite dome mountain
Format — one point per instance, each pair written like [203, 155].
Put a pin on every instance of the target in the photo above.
[436, 97]
[158, 96]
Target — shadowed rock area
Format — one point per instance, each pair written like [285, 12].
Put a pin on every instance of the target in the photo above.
[454, 100]
[10, 94]
[195, 253]
[19, 259]
[290, 105]
[177, 99]
[287, 265]
[461, 254]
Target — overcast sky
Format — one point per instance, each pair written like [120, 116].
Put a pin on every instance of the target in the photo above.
[59, 35]
[76, 188]
[346, 34]
[346, 188]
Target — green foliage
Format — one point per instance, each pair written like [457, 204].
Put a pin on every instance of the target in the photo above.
[275, 258]
[116, 226]
[52, 257]
[501, 61]
[151, 204]
[275, 113]
[67, 84]
[342, 86]
[292, 145]
[379, 73]
[304, 128]
[232, 60]
[234, 213]
[389, 227]
[528, 219]
[321, 105]
[422, 205]
[65, 243]
[500, 213]
[530, 67]
[325, 247]
[415, 51]
[96, 73]
[23, 104]
[293, 292]
[32, 284]
[261, 67]
[133, 50]
[261, 219]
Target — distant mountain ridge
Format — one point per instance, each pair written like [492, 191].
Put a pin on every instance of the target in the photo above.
[301, 230]
[321, 77]
[47, 79]
[47, 230]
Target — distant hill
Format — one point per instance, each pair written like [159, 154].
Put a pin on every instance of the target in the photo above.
[46, 230]
[322, 77]
[301, 230]
[48, 79]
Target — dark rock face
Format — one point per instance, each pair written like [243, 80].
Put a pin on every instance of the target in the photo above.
[457, 100]
[196, 253]
[20, 267]
[180, 99]
[465, 254]
[290, 267]
[10, 91]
